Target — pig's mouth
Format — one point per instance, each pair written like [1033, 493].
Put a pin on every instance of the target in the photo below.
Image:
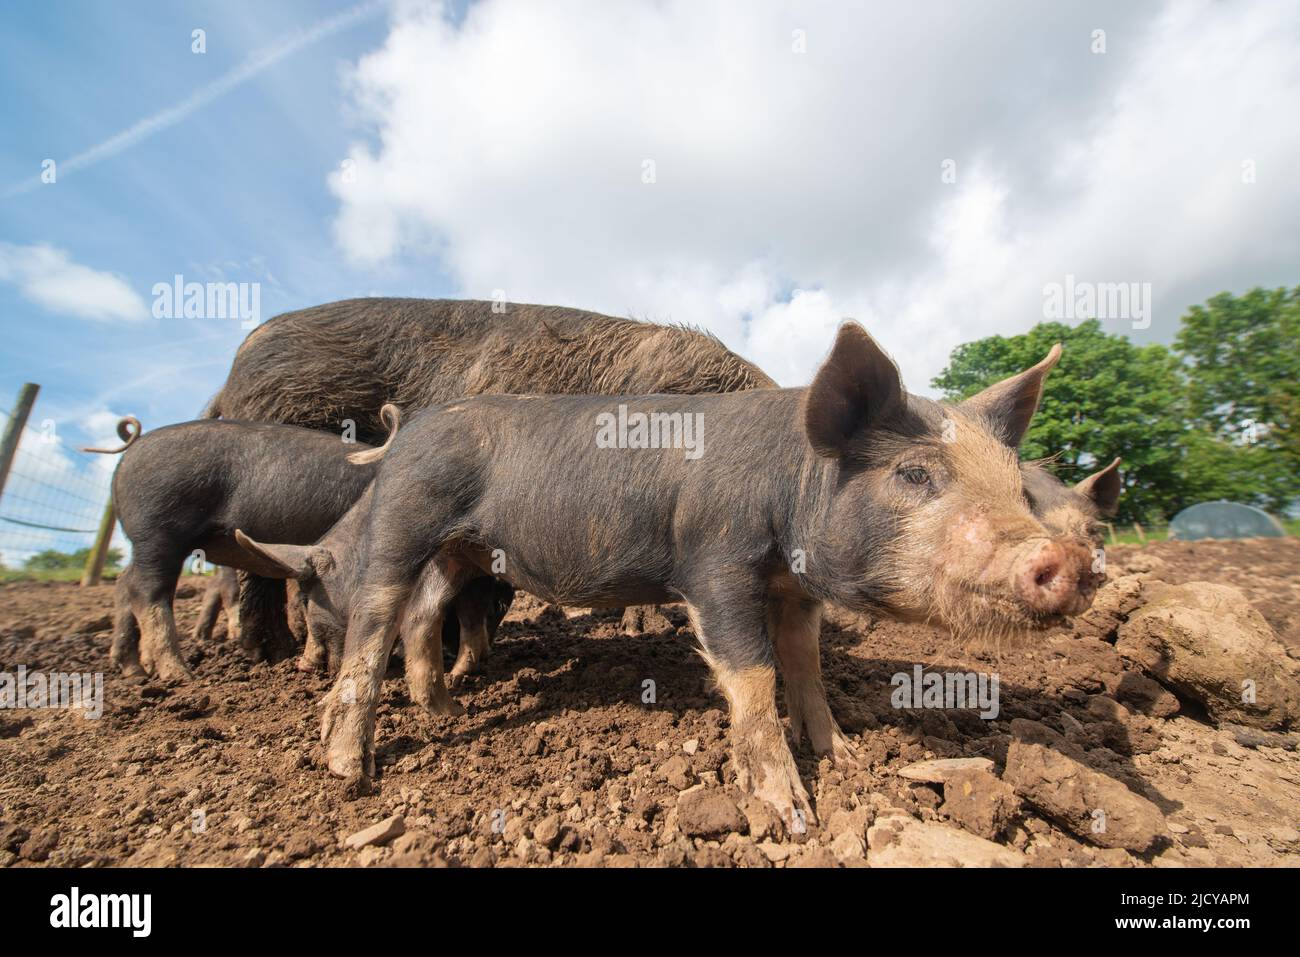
[977, 611]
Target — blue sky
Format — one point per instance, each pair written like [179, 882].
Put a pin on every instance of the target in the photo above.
[237, 190]
[760, 168]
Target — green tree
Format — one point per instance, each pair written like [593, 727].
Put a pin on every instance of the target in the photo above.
[1242, 362]
[1106, 397]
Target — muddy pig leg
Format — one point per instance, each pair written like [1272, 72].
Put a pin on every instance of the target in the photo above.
[475, 607]
[151, 589]
[422, 639]
[643, 619]
[263, 626]
[795, 627]
[728, 619]
[210, 609]
[296, 611]
[124, 654]
[228, 588]
[348, 722]
[317, 630]
[315, 654]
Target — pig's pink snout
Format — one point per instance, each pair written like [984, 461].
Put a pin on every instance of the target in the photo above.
[1055, 579]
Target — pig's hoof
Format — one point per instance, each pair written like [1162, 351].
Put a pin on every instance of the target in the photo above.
[842, 754]
[776, 781]
[344, 762]
[357, 786]
[132, 669]
[445, 708]
[309, 665]
[173, 669]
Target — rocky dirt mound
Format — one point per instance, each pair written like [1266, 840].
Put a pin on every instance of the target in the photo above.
[562, 759]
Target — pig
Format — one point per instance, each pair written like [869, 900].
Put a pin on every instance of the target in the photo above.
[191, 486]
[187, 487]
[326, 365]
[327, 573]
[1073, 510]
[849, 491]
[222, 595]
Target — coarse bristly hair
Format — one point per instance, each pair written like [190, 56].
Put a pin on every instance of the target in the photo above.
[344, 360]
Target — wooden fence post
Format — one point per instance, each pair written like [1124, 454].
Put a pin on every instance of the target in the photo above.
[14, 429]
[95, 560]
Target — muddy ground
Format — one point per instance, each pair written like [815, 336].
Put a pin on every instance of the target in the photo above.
[559, 761]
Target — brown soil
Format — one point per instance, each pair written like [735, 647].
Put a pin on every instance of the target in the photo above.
[558, 761]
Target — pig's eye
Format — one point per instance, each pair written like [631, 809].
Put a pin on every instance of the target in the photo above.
[914, 475]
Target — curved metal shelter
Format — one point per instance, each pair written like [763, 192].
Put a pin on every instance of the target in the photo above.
[1224, 520]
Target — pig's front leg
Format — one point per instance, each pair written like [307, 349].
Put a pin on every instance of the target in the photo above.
[729, 624]
[394, 592]
[348, 722]
[795, 628]
[315, 653]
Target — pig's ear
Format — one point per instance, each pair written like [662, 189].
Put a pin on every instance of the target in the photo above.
[1009, 405]
[1102, 488]
[855, 386]
[281, 561]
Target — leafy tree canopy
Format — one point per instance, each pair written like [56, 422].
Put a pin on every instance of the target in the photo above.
[1106, 397]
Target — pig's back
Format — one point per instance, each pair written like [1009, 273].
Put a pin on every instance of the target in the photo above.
[278, 483]
[317, 366]
[540, 479]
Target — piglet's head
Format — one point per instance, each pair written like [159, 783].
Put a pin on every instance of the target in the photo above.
[1077, 510]
[928, 516]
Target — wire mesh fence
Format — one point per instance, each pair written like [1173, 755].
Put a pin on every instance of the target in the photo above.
[53, 503]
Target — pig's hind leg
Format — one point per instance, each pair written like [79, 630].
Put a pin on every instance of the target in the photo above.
[348, 724]
[150, 591]
[124, 653]
[795, 627]
[728, 620]
[422, 638]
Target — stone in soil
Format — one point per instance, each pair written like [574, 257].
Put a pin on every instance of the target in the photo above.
[1091, 805]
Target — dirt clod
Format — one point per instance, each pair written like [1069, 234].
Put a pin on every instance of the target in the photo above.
[709, 813]
[1092, 806]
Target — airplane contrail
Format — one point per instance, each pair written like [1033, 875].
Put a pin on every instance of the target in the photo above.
[248, 68]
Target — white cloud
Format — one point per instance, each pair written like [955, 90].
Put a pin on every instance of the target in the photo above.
[793, 189]
[47, 276]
